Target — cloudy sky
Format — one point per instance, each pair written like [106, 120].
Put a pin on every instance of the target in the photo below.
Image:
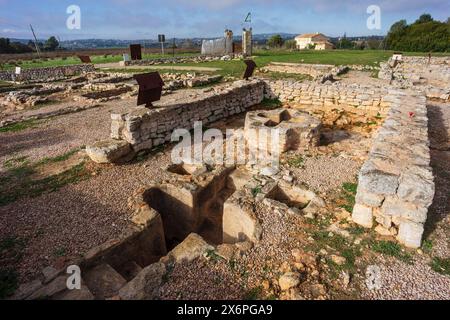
[138, 19]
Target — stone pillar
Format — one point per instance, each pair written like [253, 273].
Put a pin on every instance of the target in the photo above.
[247, 42]
[228, 41]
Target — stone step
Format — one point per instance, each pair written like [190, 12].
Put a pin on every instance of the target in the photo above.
[103, 281]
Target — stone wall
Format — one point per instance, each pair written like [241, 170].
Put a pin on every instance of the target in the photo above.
[396, 182]
[410, 70]
[364, 100]
[314, 70]
[182, 59]
[47, 74]
[145, 128]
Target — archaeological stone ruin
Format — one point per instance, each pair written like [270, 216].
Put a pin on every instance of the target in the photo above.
[204, 210]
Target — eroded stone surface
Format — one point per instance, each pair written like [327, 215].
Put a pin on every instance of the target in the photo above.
[108, 151]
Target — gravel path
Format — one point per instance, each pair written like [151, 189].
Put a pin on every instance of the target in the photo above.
[325, 173]
[401, 281]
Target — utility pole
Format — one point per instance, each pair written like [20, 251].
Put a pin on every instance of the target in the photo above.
[35, 42]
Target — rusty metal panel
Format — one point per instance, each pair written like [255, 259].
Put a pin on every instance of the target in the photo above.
[150, 88]
[251, 66]
[85, 59]
[135, 52]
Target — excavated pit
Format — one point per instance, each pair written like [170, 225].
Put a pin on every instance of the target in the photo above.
[290, 197]
[185, 211]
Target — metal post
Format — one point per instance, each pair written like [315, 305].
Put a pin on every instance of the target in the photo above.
[35, 42]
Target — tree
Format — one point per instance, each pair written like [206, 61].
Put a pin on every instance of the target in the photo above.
[275, 41]
[290, 44]
[6, 46]
[424, 35]
[424, 18]
[345, 43]
[51, 44]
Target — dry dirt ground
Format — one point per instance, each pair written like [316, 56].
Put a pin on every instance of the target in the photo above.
[60, 224]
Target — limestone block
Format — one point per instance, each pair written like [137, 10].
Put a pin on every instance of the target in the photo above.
[363, 215]
[239, 223]
[191, 248]
[394, 206]
[410, 234]
[145, 285]
[108, 151]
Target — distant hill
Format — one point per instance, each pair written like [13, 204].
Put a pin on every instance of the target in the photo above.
[153, 43]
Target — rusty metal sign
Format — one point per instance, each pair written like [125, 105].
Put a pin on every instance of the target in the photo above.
[136, 52]
[251, 66]
[150, 88]
[85, 59]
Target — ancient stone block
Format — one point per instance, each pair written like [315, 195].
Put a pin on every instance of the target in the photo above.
[108, 151]
[410, 234]
[363, 215]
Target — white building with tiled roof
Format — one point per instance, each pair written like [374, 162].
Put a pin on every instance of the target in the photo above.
[318, 40]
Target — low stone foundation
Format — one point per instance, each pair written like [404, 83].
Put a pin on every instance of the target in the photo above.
[180, 59]
[297, 130]
[320, 72]
[364, 100]
[145, 128]
[47, 74]
[396, 182]
[417, 70]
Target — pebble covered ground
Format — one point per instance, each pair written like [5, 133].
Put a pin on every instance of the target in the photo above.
[64, 224]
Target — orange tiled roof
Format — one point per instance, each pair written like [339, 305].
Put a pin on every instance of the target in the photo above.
[310, 35]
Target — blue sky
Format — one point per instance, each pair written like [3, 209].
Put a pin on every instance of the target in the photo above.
[144, 19]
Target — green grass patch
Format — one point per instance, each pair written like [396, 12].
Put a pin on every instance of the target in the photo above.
[256, 191]
[96, 59]
[356, 230]
[254, 293]
[18, 182]
[271, 103]
[296, 161]
[19, 126]
[350, 187]
[213, 256]
[347, 196]
[15, 162]
[427, 246]
[392, 249]
[284, 75]
[441, 265]
[60, 158]
[344, 248]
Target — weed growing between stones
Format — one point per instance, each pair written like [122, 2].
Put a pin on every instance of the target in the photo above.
[392, 249]
[347, 197]
[441, 265]
[19, 126]
[296, 161]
